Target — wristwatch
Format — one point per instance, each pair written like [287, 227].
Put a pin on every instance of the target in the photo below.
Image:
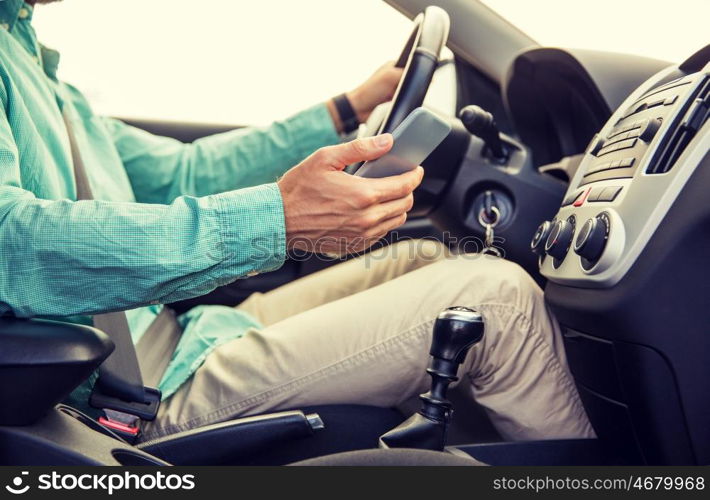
[347, 114]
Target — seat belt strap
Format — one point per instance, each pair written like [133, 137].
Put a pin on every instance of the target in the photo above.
[156, 347]
[120, 374]
[120, 384]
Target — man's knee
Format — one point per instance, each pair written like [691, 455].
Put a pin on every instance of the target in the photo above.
[489, 279]
[422, 250]
[432, 250]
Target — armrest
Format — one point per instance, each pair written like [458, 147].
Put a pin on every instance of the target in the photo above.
[41, 362]
[233, 440]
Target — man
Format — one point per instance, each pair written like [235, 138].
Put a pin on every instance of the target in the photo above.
[166, 220]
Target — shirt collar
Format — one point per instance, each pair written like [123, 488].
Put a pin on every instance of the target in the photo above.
[10, 12]
[50, 61]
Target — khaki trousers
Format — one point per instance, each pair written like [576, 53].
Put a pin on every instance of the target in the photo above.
[359, 333]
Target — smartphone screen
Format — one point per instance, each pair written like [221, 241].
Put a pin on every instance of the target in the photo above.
[414, 139]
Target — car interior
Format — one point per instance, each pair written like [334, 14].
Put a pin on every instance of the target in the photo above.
[589, 167]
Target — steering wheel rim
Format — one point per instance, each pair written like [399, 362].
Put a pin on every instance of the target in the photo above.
[420, 59]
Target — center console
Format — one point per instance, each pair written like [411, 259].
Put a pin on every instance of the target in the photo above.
[628, 277]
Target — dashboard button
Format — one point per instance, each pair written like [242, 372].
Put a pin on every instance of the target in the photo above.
[595, 193]
[649, 130]
[627, 162]
[628, 143]
[595, 144]
[580, 199]
[572, 198]
[610, 193]
[597, 168]
[616, 131]
[636, 108]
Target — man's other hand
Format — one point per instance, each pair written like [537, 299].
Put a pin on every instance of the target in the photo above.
[379, 88]
[330, 211]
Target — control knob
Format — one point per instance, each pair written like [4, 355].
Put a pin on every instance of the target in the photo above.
[537, 245]
[591, 239]
[560, 238]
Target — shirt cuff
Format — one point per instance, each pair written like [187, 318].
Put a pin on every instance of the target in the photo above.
[253, 231]
[313, 129]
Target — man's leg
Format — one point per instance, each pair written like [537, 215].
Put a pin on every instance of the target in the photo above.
[372, 348]
[344, 279]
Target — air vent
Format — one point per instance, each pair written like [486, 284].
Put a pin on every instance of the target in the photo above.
[683, 130]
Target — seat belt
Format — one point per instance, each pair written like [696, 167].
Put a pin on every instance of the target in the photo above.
[156, 347]
[119, 390]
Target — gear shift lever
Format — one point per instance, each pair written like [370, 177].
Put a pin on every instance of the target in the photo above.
[456, 330]
[481, 123]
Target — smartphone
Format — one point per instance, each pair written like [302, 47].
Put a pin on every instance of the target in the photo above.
[414, 139]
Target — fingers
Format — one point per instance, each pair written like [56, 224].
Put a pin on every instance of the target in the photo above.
[358, 150]
[380, 230]
[397, 186]
[378, 221]
[394, 208]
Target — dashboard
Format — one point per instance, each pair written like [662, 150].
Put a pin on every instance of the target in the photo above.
[554, 102]
[631, 173]
[625, 257]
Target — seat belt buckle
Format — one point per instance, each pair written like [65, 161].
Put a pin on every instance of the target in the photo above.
[144, 410]
[128, 431]
[124, 417]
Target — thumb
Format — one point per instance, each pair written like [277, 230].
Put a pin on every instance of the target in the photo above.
[369, 148]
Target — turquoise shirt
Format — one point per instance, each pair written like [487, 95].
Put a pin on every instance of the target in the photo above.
[169, 221]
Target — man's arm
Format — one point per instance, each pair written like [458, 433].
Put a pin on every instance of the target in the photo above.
[161, 169]
[65, 258]
[62, 258]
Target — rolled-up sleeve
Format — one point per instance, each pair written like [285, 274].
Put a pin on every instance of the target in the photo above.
[161, 169]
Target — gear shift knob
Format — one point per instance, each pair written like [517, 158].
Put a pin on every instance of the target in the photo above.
[456, 330]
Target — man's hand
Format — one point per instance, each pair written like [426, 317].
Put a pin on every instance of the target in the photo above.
[379, 88]
[329, 211]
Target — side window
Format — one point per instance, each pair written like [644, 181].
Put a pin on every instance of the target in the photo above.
[223, 61]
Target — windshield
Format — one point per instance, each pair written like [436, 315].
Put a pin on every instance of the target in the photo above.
[223, 61]
[670, 31]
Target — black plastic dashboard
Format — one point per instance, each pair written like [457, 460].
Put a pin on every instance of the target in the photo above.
[559, 98]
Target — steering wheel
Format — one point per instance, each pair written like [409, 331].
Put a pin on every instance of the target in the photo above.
[419, 59]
